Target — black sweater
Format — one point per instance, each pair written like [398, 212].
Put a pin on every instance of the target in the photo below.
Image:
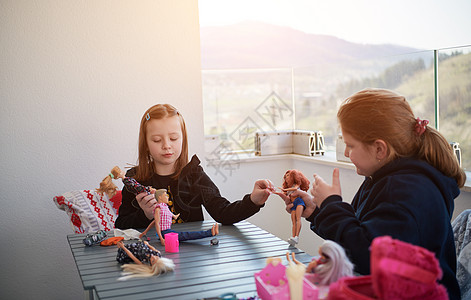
[190, 190]
[408, 200]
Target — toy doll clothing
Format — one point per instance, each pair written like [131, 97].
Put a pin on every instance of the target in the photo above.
[189, 235]
[319, 261]
[135, 187]
[166, 222]
[298, 201]
[165, 216]
[406, 199]
[140, 250]
[192, 189]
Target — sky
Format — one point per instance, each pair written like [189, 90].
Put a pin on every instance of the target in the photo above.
[428, 25]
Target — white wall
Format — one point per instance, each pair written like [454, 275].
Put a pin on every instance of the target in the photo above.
[75, 79]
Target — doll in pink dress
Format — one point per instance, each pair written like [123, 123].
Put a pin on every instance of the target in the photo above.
[163, 221]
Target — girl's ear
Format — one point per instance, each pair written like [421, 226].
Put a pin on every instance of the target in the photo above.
[381, 149]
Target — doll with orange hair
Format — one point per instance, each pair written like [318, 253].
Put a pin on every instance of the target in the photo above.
[293, 180]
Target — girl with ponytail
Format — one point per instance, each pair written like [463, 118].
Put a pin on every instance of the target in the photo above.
[411, 180]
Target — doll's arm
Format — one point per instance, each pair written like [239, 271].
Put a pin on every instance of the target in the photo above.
[129, 253]
[294, 188]
[175, 216]
[293, 257]
[151, 247]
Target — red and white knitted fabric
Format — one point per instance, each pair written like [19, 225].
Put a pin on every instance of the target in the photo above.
[88, 210]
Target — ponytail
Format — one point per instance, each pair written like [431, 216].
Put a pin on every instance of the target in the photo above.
[436, 150]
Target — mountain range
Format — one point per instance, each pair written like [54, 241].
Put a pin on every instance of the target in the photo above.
[259, 45]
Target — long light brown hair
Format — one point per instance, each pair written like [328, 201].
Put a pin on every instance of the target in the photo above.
[373, 114]
[162, 265]
[145, 167]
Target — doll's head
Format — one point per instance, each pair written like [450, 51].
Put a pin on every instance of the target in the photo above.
[295, 177]
[161, 195]
[336, 263]
[145, 167]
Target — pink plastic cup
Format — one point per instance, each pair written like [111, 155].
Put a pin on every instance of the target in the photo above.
[171, 242]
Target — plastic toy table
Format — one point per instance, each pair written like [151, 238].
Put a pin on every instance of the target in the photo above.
[202, 270]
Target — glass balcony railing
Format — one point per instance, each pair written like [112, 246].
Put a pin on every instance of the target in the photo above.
[239, 103]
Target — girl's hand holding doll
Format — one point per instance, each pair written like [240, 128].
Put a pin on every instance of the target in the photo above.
[261, 190]
[308, 201]
[147, 203]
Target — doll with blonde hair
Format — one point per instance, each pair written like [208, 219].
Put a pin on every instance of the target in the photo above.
[107, 186]
[147, 260]
[292, 181]
[130, 183]
[163, 221]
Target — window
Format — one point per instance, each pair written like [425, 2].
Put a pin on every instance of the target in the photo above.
[454, 101]
[239, 103]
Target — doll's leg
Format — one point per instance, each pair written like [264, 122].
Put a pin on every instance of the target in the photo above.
[293, 221]
[147, 229]
[293, 257]
[299, 212]
[193, 235]
[215, 229]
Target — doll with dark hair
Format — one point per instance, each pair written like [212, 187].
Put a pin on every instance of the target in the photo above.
[292, 181]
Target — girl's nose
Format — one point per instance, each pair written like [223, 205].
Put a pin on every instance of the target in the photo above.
[166, 144]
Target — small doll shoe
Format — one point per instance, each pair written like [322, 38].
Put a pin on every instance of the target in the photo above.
[293, 240]
[95, 238]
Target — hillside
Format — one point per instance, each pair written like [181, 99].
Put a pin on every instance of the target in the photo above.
[260, 45]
